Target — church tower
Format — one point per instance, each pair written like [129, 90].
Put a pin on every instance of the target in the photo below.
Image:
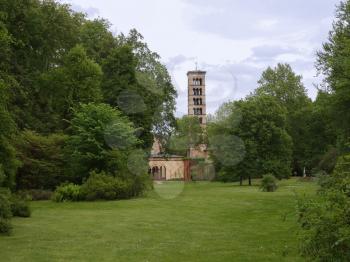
[197, 107]
[196, 95]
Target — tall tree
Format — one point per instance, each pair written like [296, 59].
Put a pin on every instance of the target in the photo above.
[251, 144]
[283, 84]
[77, 80]
[159, 93]
[333, 63]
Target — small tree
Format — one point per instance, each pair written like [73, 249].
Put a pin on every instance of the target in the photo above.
[268, 183]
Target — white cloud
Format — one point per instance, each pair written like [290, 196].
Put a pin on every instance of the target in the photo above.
[234, 41]
[266, 24]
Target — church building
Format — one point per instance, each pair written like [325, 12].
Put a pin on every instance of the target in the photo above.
[173, 167]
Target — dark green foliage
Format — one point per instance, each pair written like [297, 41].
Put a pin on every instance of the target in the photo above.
[5, 226]
[68, 192]
[333, 62]
[284, 85]
[5, 204]
[76, 81]
[36, 194]
[325, 219]
[8, 161]
[20, 207]
[268, 183]
[255, 144]
[42, 161]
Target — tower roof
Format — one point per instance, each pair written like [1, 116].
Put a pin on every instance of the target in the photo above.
[196, 72]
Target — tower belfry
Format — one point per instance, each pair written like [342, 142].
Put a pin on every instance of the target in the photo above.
[196, 95]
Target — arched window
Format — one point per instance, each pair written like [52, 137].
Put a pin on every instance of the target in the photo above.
[201, 120]
[200, 101]
[200, 91]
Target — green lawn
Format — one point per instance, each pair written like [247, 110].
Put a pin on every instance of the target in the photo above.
[204, 222]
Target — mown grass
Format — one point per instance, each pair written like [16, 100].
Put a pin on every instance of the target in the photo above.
[176, 222]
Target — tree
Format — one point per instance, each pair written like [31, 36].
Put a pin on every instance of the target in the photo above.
[42, 161]
[283, 84]
[249, 139]
[78, 80]
[41, 33]
[8, 160]
[333, 63]
[188, 134]
[159, 93]
[97, 39]
[100, 138]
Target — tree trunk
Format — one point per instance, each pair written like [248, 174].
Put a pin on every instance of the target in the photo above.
[240, 180]
[250, 180]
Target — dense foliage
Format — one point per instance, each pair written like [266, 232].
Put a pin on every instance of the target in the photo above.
[248, 138]
[325, 220]
[268, 183]
[101, 186]
[56, 69]
[11, 205]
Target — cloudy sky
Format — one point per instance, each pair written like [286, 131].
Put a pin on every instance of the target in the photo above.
[233, 40]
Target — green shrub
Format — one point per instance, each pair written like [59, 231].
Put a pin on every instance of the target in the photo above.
[141, 184]
[268, 183]
[5, 204]
[5, 226]
[20, 207]
[103, 186]
[324, 218]
[68, 192]
[108, 187]
[36, 194]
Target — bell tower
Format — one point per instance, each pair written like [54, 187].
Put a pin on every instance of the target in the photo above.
[196, 95]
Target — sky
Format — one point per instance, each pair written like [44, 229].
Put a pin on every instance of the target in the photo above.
[234, 41]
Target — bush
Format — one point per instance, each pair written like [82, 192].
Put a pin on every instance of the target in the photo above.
[325, 218]
[36, 194]
[5, 204]
[141, 184]
[20, 207]
[268, 183]
[68, 192]
[5, 226]
[103, 186]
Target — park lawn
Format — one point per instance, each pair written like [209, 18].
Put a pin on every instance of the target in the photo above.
[200, 221]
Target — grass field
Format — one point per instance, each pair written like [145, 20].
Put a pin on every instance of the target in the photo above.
[176, 222]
